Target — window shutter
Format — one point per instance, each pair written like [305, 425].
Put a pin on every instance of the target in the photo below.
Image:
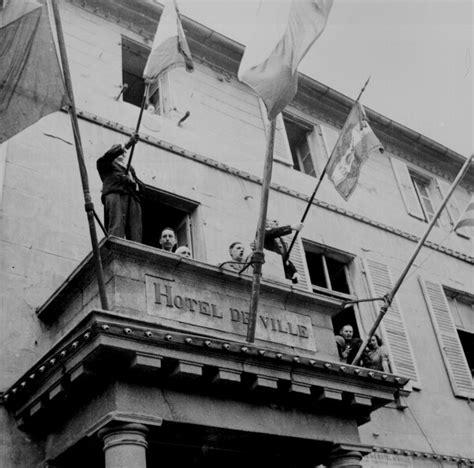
[393, 325]
[452, 208]
[281, 149]
[407, 190]
[297, 257]
[318, 148]
[448, 339]
[183, 233]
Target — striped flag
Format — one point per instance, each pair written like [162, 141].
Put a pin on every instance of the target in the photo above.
[285, 31]
[467, 218]
[31, 82]
[170, 48]
[353, 147]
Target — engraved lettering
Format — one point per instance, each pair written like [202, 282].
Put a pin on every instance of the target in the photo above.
[303, 331]
[167, 294]
[190, 302]
[204, 308]
[178, 302]
[273, 321]
[234, 315]
[216, 313]
[291, 330]
[264, 321]
[280, 329]
[245, 317]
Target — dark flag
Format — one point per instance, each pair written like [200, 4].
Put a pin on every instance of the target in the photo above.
[31, 83]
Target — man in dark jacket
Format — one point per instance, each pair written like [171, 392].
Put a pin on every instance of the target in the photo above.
[120, 193]
[273, 241]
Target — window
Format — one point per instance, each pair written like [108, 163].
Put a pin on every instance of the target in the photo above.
[422, 194]
[462, 312]
[451, 313]
[327, 270]
[134, 56]
[310, 144]
[162, 209]
[422, 189]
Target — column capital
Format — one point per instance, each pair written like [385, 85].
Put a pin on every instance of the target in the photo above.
[124, 445]
[343, 458]
[124, 434]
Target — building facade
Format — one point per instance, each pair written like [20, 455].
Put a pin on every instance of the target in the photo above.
[166, 375]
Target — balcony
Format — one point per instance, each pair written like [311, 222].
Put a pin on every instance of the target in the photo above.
[171, 352]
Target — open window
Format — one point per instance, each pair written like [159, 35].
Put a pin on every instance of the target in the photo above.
[134, 57]
[328, 272]
[461, 307]
[425, 192]
[161, 209]
[310, 144]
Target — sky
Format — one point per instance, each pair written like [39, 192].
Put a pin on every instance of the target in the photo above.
[419, 54]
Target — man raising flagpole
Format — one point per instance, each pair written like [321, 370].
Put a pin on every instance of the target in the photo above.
[284, 33]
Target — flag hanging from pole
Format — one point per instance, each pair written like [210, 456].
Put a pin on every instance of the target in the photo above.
[170, 48]
[467, 218]
[31, 82]
[355, 144]
[285, 31]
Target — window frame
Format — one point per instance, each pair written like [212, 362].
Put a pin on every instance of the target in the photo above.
[189, 208]
[428, 184]
[335, 254]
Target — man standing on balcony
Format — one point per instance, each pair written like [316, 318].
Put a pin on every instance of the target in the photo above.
[274, 242]
[120, 193]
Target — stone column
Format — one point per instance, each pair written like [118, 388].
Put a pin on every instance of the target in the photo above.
[340, 458]
[125, 446]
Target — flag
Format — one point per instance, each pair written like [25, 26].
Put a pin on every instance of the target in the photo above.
[31, 82]
[285, 30]
[353, 147]
[170, 48]
[467, 218]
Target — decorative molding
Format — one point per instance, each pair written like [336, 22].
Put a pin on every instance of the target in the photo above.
[425, 455]
[252, 178]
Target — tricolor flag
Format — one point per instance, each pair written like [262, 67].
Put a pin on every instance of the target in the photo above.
[285, 31]
[353, 147]
[31, 82]
[170, 48]
[467, 218]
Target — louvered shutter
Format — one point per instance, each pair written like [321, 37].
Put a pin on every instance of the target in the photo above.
[298, 258]
[393, 324]
[407, 190]
[448, 339]
[281, 149]
[453, 209]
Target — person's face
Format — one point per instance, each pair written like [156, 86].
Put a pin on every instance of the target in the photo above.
[271, 223]
[167, 240]
[373, 342]
[237, 252]
[184, 252]
[122, 160]
[347, 332]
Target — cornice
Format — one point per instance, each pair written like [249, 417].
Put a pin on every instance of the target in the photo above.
[277, 187]
[462, 461]
[144, 16]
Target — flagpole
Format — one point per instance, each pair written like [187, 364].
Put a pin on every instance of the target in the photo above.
[258, 256]
[388, 298]
[89, 206]
[145, 95]
[321, 176]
